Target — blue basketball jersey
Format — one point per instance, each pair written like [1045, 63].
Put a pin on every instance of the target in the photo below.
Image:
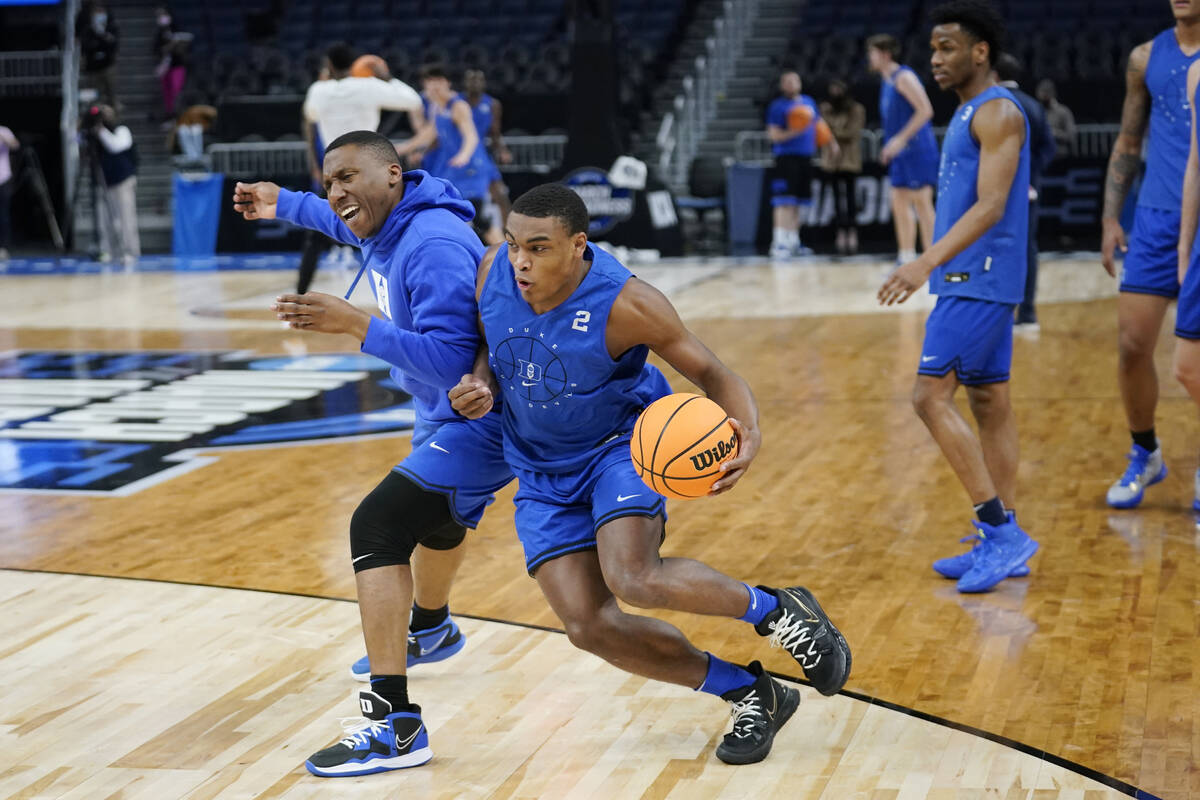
[482, 113]
[895, 111]
[993, 266]
[563, 394]
[471, 179]
[1170, 123]
[777, 114]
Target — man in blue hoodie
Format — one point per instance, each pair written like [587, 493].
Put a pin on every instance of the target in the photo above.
[422, 258]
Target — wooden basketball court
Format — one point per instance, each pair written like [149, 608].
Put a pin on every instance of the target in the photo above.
[189, 634]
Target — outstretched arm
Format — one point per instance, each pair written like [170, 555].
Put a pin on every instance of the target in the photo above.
[265, 200]
[1126, 159]
[999, 126]
[643, 315]
[460, 112]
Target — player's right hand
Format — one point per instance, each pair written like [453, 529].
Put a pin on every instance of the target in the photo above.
[256, 200]
[1112, 237]
[472, 397]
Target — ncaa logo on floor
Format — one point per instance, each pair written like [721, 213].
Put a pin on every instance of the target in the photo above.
[114, 423]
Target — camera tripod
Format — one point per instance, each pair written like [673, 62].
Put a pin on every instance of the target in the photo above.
[102, 210]
[30, 172]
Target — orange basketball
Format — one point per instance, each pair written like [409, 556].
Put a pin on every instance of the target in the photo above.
[824, 134]
[799, 117]
[679, 444]
[369, 66]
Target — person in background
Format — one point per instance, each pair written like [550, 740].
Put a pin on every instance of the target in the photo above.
[910, 150]
[99, 41]
[845, 117]
[8, 143]
[1041, 153]
[488, 115]
[791, 127]
[1058, 116]
[118, 162]
[171, 50]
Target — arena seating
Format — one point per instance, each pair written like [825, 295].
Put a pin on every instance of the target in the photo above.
[522, 45]
[1079, 44]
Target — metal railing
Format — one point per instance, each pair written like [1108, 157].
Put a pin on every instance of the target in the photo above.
[1093, 140]
[256, 159]
[683, 127]
[535, 153]
[31, 72]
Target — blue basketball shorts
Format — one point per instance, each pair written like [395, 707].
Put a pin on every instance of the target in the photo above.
[1152, 264]
[1187, 315]
[463, 460]
[558, 514]
[914, 168]
[972, 337]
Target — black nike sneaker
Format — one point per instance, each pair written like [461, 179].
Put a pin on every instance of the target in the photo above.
[802, 628]
[382, 740]
[759, 711]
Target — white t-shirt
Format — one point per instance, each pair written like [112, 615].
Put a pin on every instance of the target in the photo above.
[353, 104]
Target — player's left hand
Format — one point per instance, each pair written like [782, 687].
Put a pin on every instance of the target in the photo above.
[903, 281]
[472, 397]
[504, 156]
[323, 313]
[890, 150]
[749, 440]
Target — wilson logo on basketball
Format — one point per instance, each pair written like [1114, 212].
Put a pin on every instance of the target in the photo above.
[678, 444]
[715, 455]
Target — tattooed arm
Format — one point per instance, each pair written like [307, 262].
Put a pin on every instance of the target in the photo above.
[1126, 158]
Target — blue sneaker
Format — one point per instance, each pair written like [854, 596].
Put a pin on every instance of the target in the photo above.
[1004, 547]
[383, 740]
[1145, 468]
[957, 566]
[424, 647]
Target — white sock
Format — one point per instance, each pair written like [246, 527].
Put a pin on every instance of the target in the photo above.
[906, 256]
[779, 236]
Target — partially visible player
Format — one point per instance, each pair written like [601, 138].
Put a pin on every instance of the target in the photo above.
[1155, 97]
[976, 266]
[336, 105]
[1187, 318]
[422, 258]
[459, 155]
[910, 151]
[568, 329]
[792, 129]
[489, 114]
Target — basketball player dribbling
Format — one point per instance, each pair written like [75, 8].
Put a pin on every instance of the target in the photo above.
[1155, 96]
[568, 329]
[976, 267]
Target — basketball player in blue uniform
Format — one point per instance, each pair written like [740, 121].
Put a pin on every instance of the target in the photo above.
[488, 114]
[459, 155]
[568, 329]
[1155, 95]
[976, 266]
[791, 178]
[1187, 318]
[421, 257]
[910, 150]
